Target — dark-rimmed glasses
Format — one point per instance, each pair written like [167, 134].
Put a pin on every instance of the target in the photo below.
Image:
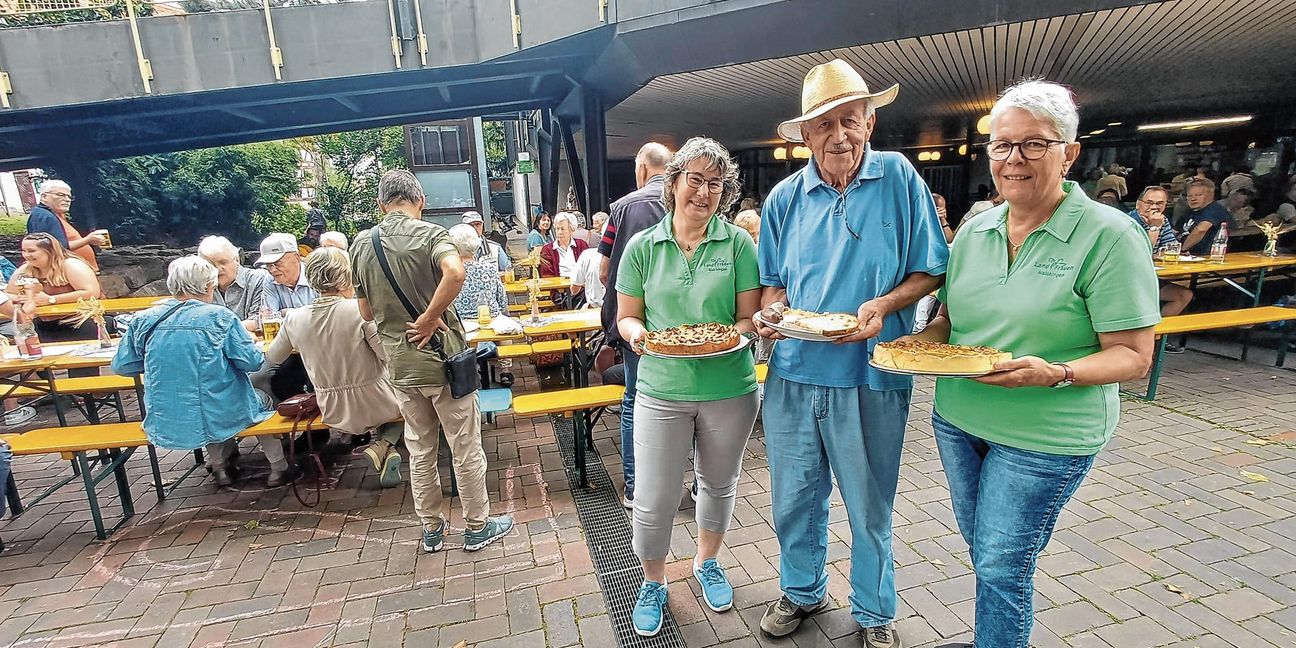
[1032, 148]
[60, 194]
[696, 180]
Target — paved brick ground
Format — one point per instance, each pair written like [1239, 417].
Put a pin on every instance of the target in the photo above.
[1168, 542]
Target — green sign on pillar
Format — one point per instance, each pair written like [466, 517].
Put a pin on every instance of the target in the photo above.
[525, 163]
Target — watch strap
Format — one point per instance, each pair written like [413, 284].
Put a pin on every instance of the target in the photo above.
[1068, 375]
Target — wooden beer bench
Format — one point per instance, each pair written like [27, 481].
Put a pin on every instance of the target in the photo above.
[119, 440]
[1214, 321]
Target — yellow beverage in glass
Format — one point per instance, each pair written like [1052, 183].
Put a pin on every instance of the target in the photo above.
[483, 315]
[270, 329]
[509, 275]
[107, 240]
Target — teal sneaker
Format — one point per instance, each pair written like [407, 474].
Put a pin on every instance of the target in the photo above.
[390, 476]
[496, 528]
[433, 538]
[716, 590]
[650, 610]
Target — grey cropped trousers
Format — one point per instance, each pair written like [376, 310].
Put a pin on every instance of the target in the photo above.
[665, 432]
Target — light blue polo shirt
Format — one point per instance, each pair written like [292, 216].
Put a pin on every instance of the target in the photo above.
[834, 251]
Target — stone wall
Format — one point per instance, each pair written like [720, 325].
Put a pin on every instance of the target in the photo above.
[125, 271]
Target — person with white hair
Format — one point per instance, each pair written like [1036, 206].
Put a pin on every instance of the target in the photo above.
[558, 257]
[195, 358]
[50, 215]
[281, 257]
[486, 248]
[238, 288]
[600, 219]
[334, 239]
[854, 231]
[482, 283]
[1067, 286]
[345, 361]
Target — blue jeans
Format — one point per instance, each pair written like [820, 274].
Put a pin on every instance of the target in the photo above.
[6, 461]
[854, 434]
[631, 360]
[1006, 501]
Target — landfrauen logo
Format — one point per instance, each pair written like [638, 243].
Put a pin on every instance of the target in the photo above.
[716, 264]
[1054, 267]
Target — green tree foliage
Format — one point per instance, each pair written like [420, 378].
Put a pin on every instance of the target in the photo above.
[115, 10]
[179, 197]
[497, 162]
[353, 163]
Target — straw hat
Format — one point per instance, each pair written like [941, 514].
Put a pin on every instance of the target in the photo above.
[830, 85]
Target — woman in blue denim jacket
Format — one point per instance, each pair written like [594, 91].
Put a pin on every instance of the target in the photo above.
[195, 358]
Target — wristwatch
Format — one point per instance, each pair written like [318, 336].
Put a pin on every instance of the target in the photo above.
[1068, 377]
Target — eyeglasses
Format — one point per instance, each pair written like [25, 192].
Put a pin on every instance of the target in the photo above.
[1159, 203]
[60, 194]
[696, 180]
[1031, 149]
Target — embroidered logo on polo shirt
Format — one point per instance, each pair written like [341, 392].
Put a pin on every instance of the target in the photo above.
[717, 264]
[1054, 267]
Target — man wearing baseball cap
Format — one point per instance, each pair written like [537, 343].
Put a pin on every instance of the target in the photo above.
[288, 289]
[877, 249]
[489, 249]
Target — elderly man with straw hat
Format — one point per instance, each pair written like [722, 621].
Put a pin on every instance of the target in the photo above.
[855, 231]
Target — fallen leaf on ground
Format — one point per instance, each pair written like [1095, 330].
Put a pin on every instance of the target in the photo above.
[462, 644]
[1248, 492]
[937, 562]
[1216, 449]
[251, 524]
[1258, 442]
[1175, 590]
[1253, 476]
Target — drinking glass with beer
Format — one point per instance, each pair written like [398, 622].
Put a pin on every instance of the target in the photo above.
[270, 327]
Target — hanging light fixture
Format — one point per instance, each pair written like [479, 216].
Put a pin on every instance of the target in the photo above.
[923, 156]
[935, 156]
[780, 153]
[983, 125]
[962, 149]
[801, 152]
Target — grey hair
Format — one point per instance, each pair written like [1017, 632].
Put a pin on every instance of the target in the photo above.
[49, 185]
[328, 270]
[399, 185]
[211, 246]
[190, 275]
[337, 239]
[748, 219]
[568, 217]
[465, 239]
[717, 157]
[653, 156]
[599, 218]
[1044, 100]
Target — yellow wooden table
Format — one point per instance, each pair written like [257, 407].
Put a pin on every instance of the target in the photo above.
[576, 325]
[110, 306]
[546, 284]
[1235, 263]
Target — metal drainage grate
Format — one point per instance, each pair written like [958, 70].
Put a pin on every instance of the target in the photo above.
[608, 534]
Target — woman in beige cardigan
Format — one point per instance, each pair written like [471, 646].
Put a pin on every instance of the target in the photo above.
[345, 361]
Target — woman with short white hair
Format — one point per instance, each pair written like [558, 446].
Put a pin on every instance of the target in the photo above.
[1067, 286]
[345, 361]
[558, 257]
[195, 358]
[482, 284]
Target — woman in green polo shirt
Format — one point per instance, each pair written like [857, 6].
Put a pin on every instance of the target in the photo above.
[1066, 285]
[691, 268]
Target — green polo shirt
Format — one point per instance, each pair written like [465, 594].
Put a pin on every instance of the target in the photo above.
[1085, 271]
[676, 291]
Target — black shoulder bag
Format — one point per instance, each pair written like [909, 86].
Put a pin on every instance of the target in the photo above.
[461, 369]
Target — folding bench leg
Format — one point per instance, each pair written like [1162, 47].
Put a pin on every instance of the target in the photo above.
[1155, 374]
[578, 439]
[1283, 341]
[123, 484]
[12, 495]
[91, 496]
[157, 472]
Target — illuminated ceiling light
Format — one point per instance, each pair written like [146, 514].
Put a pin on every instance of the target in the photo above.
[1084, 137]
[983, 125]
[935, 155]
[962, 149]
[1114, 123]
[801, 153]
[923, 156]
[1206, 143]
[1193, 127]
[1100, 131]
[780, 153]
[1196, 123]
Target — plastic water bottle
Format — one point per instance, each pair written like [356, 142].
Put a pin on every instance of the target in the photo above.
[29, 346]
[1220, 247]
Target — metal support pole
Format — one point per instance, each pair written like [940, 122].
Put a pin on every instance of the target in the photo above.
[145, 67]
[595, 151]
[6, 89]
[422, 38]
[276, 55]
[517, 25]
[574, 165]
[395, 40]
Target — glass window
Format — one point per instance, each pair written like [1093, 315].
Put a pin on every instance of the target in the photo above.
[449, 189]
[439, 144]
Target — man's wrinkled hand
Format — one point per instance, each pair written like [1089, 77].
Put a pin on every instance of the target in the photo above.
[870, 315]
[421, 330]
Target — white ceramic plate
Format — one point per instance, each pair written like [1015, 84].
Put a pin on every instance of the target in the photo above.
[742, 344]
[909, 372]
[794, 332]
